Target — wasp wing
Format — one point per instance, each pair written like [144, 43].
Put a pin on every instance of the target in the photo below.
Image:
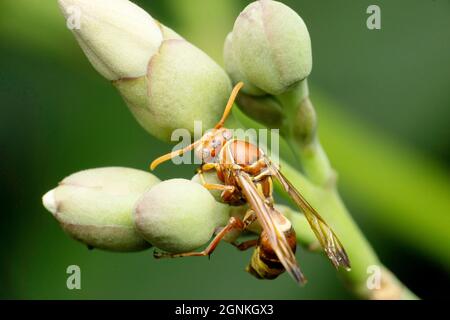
[265, 214]
[327, 238]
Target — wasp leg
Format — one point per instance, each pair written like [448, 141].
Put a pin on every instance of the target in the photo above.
[221, 187]
[214, 186]
[246, 244]
[207, 167]
[249, 218]
[258, 168]
[261, 167]
[262, 175]
[234, 225]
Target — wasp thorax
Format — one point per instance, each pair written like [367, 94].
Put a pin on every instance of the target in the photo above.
[243, 153]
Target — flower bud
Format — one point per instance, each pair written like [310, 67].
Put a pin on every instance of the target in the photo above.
[95, 206]
[179, 215]
[117, 36]
[271, 46]
[183, 85]
[233, 68]
[166, 82]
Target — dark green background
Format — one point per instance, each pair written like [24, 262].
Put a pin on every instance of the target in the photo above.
[381, 95]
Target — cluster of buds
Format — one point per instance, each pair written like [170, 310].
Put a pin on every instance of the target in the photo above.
[269, 49]
[125, 210]
[168, 84]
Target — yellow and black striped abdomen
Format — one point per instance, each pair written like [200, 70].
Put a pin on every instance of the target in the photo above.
[264, 263]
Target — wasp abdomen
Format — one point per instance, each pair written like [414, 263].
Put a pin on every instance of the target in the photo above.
[264, 263]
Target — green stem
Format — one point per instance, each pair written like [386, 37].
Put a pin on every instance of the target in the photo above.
[362, 256]
[299, 130]
[328, 202]
[319, 187]
[314, 161]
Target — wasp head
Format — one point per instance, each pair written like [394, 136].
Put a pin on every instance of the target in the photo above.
[211, 144]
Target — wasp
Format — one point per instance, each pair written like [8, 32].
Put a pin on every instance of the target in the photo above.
[246, 175]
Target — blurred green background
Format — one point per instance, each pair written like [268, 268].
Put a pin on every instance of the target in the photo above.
[384, 105]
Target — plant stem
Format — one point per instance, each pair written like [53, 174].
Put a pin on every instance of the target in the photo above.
[299, 130]
[328, 202]
[323, 195]
[319, 186]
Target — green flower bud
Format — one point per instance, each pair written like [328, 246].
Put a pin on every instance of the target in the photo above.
[233, 68]
[117, 36]
[182, 85]
[179, 215]
[166, 82]
[271, 46]
[95, 206]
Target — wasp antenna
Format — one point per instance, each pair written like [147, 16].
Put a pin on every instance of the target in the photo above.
[229, 105]
[172, 155]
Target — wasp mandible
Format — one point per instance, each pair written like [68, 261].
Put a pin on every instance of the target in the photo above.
[247, 176]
